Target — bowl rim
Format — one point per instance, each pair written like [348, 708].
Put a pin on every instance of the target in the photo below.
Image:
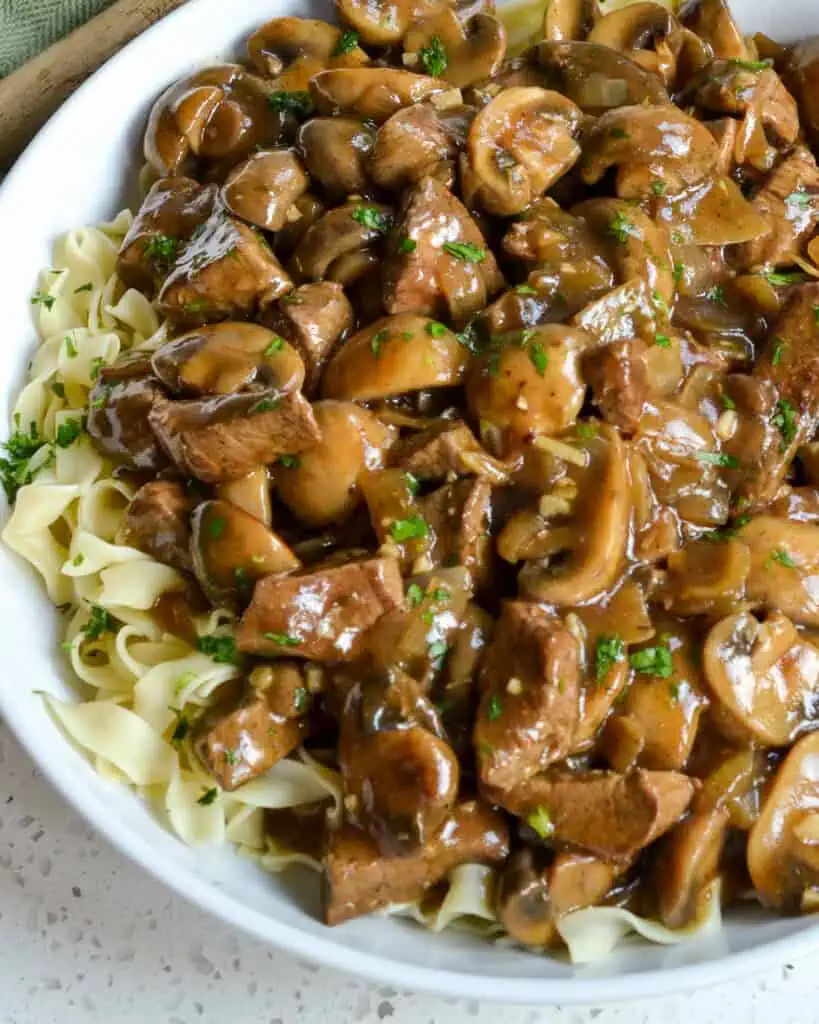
[326, 950]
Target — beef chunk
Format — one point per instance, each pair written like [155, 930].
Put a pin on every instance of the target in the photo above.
[313, 317]
[118, 408]
[451, 271]
[448, 447]
[322, 614]
[530, 700]
[457, 517]
[619, 382]
[247, 734]
[157, 522]
[792, 219]
[170, 213]
[400, 777]
[359, 880]
[609, 815]
[227, 270]
[224, 438]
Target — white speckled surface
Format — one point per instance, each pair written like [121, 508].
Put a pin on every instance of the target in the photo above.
[89, 939]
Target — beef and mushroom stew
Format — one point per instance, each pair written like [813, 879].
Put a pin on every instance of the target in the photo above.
[443, 432]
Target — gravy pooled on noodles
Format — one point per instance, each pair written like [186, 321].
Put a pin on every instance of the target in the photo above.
[490, 408]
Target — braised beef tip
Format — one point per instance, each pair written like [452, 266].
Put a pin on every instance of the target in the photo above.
[359, 879]
[322, 614]
[119, 405]
[242, 737]
[457, 517]
[224, 438]
[157, 521]
[619, 381]
[447, 447]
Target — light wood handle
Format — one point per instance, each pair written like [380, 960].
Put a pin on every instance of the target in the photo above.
[31, 95]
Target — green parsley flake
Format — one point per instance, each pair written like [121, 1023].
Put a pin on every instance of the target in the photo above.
[538, 357]
[408, 529]
[301, 700]
[208, 797]
[440, 594]
[222, 649]
[728, 402]
[718, 459]
[347, 42]
[299, 104]
[586, 431]
[437, 650]
[782, 558]
[58, 388]
[231, 757]
[289, 461]
[78, 559]
[407, 245]
[778, 352]
[610, 649]
[84, 288]
[494, 708]
[412, 483]
[662, 340]
[618, 133]
[377, 340]
[525, 289]
[70, 346]
[677, 272]
[95, 369]
[465, 251]
[653, 661]
[215, 527]
[43, 299]
[264, 405]
[99, 622]
[276, 345]
[435, 329]
[780, 280]
[161, 249]
[68, 432]
[717, 295]
[433, 57]
[540, 821]
[282, 639]
[415, 595]
[728, 531]
[786, 419]
[15, 469]
[621, 227]
[815, 315]
[659, 188]
[749, 65]
[372, 218]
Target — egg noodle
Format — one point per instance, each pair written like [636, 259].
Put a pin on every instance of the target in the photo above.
[143, 686]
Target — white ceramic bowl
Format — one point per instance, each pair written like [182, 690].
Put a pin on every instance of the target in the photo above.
[80, 169]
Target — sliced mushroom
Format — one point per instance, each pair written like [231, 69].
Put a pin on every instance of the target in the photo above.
[251, 493]
[714, 212]
[597, 78]
[782, 846]
[395, 355]
[232, 549]
[784, 567]
[706, 578]
[336, 152]
[320, 486]
[262, 190]
[222, 359]
[519, 145]
[765, 677]
[711, 20]
[565, 20]
[592, 543]
[344, 232]
[371, 93]
[648, 144]
[474, 49]
[690, 861]
[217, 116]
[413, 144]
[529, 382]
[310, 209]
[382, 22]
[282, 42]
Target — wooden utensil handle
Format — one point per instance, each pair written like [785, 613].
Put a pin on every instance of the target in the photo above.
[31, 95]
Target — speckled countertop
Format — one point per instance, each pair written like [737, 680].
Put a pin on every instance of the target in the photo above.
[88, 938]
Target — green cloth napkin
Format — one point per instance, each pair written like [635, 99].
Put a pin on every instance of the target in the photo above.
[29, 26]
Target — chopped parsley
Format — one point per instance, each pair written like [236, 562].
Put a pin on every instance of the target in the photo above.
[347, 42]
[677, 272]
[222, 649]
[728, 531]
[433, 57]
[782, 558]
[99, 622]
[161, 249]
[586, 431]
[289, 461]
[78, 559]
[299, 104]
[70, 346]
[435, 329]
[215, 527]
[276, 345]
[412, 483]
[659, 188]
[465, 251]
[728, 402]
[15, 468]
[618, 133]
[407, 245]
[749, 65]
[282, 639]
[208, 797]
[408, 529]
[58, 388]
[264, 405]
[231, 757]
[301, 700]
[538, 357]
[88, 287]
[540, 821]
[415, 595]
[440, 594]
[787, 420]
[181, 730]
[794, 277]
[610, 649]
[718, 459]
[653, 661]
[377, 340]
[494, 708]
[437, 650]
[621, 227]
[662, 340]
[97, 364]
[717, 295]
[815, 315]
[525, 289]
[68, 432]
[372, 218]
[43, 299]
[778, 351]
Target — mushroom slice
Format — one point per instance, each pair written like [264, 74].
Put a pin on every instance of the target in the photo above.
[371, 93]
[765, 677]
[648, 144]
[711, 20]
[411, 145]
[621, 314]
[634, 245]
[231, 549]
[592, 543]
[706, 578]
[222, 359]
[251, 493]
[395, 355]
[782, 859]
[529, 381]
[262, 190]
[566, 20]
[690, 858]
[519, 145]
[336, 152]
[320, 486]
[597, 78]
[471, 50]
[343, 232]
[784, 567]
[382, 22]
[282, 42]
[714, 212]
[217, 115]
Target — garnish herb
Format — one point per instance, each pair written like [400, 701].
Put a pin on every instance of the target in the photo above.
[794, 277]
[815, 314]
[465, 251]
[435, 329]
[538, 357]
[299, 104]
[182, 729]
[728, 402]
[412, 483]
[216, 527]
[610, 649]
[406, 245]
[84, 288]
[662, 340]
[787, 420]
[98, 623]
[525, 289]
[264, 405]
[782, 558]
[347, 42]
[653, 661]
[301, 700]
[749, 65]
[222, 649]
[97, 364]
[289, 461]
[618, 133]
[717, 295]
[586, 430]
[161, 249]
[231, 756]
[78, 559]
[433, 57]
[717, 459]
[371, 218]
[800, 198]
[208, 797]
[437, 650]
[659, 188]
[68, 432]
[276, 345]
[415, 595]
[677, 272]
[540, 821]
[15, 468]
[70, 346]
[731, 530]
[494, 709]
[58, 388]
[621, 227]
[778, 351]
[377, 341]
[282, 639]
[408, 529]
[43, 299]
